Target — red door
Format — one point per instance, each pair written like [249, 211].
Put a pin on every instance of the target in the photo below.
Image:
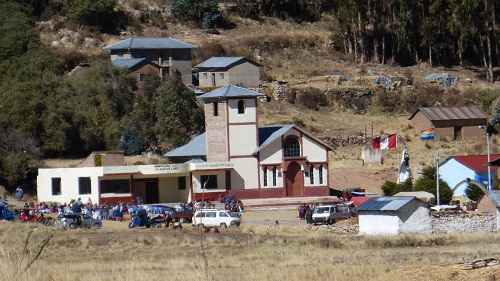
[293, 180]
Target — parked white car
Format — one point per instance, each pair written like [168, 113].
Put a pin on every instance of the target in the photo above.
[214, 217]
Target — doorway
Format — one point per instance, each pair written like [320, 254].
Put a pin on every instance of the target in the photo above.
[293, 180]
[152, 193]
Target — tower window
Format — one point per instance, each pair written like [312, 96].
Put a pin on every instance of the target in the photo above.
[292, 147]
[241, 107]
[216, 108]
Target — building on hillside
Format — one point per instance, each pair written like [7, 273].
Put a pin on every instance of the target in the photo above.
[490, 203]
[456, 169]
[242, 158]
[453, 123]
[393, 215]
[161, 56]
[223, 71]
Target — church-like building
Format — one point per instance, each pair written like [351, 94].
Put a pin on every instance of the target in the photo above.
[234, 156]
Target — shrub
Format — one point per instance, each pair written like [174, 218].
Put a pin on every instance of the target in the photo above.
[312, 98]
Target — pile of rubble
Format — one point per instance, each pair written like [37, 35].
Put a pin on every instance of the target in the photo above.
[349, 226]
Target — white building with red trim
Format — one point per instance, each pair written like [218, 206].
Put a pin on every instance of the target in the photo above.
[235, 155]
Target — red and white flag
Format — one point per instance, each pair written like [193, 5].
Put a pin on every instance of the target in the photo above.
[385, 141]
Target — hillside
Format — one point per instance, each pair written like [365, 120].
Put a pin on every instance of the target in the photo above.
[299, 55]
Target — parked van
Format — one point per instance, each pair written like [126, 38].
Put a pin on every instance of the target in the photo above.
[329, 214]
[214, 217]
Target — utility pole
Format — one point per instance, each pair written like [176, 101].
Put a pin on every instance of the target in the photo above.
[489, 166]
[436, 161]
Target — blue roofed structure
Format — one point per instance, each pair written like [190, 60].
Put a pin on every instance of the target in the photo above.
[194, 149]
[128, 63]
[231, 91]
[386, 203]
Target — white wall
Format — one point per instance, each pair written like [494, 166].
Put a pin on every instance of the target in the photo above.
[378, 223]
[418, 218]
[272, 153]
[245, 173]
[242, 139]
[452, 172]
[279, 178]
[250, 114]
[69, 183]
[313, 151]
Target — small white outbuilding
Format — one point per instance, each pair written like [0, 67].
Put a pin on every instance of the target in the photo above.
[393, 215]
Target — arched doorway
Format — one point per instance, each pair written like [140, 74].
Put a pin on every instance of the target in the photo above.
[293, 180]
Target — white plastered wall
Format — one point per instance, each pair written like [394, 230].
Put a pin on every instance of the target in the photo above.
[314, 151]
[378, 223]
[250, 114]
[245, 174]
[69, 183]
[169, 191]
[272, 153]
[221, 181]
[418, 220]
[242, 140]
[279, 178]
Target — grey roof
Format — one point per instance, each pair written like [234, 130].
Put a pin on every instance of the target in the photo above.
[150, 43]
[494, 196]
[452, 113]
[385, 203]
[196, 147]
[231, 91]
[220, 62]
[128, 63]
[268, 134]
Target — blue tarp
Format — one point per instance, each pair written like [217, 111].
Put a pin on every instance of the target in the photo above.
[435, 76]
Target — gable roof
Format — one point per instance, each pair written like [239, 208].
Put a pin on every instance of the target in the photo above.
[231, 91]
[150, 43]
[268, 134]
[452, 113]
[220, 62]
[196, 147]
[494, 196]
[385, 203]
[128, 63]
[476, 163]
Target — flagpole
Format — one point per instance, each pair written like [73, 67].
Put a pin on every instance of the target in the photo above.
[399, 159]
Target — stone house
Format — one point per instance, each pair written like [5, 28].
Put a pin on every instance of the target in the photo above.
[453, 123]
[161, 56]
[223, 71]
[393, 215]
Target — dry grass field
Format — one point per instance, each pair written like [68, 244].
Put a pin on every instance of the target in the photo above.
[258, 250]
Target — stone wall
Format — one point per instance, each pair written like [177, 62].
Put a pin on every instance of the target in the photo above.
[465, 223]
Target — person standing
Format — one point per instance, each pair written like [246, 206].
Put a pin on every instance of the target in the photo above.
[302, 211]
[309, 215]
[19, 192]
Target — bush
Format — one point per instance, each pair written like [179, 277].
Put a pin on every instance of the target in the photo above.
[312, 98]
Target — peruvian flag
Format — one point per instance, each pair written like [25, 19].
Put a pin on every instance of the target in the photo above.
[385, 141]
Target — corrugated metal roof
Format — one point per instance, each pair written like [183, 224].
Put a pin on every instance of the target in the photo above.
[453, 113]
[268, 134]
[216, 62]
[474, 162]
[150, 43]
[128, 63]
[385, 203]
[231, 91]
[494, 196]
[196, 147]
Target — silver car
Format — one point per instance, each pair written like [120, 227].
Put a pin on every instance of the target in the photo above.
[74, 220]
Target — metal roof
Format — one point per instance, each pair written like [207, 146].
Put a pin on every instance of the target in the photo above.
[385, 203]
[128, 63]
[150, 43]
[452, 113]
[216, 62]
[476, 163]
[494, 196]
[268, 134]
[231, 91]
[435, 76]
[196, 147]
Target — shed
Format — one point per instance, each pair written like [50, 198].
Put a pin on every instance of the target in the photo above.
[490, 202]
[393, 215]
[455, 123]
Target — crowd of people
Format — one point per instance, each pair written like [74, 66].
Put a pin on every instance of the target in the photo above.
[305, 213]
[231, 203]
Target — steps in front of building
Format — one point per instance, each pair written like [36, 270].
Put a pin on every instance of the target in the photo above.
[284, 203]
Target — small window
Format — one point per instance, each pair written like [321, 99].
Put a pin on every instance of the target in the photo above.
[205, 76]
[264, 176]
[142, 76]
[84, 185]
[274, 176]
[56, 186]
[311, 174]
[211, 214]
[221, 76]
[181, 183]
[320, 174]
[115, 186]
[292, 147]
[209, 182]
[241, 107]
[216, 108]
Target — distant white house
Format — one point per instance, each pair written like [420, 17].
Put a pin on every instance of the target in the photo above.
[455, 169]
[393, 215]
